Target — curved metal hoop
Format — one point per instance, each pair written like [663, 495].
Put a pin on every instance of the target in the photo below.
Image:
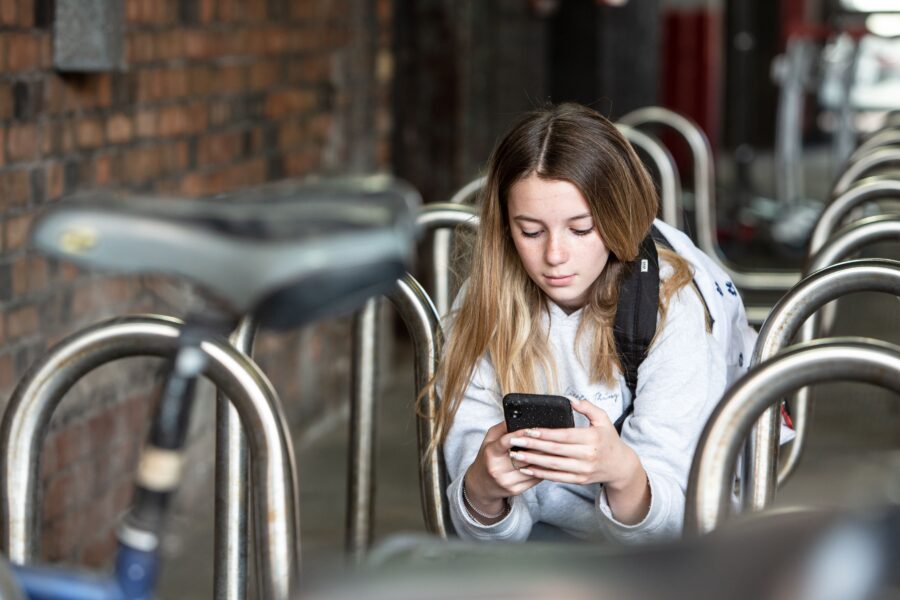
[837, 359]
[40, 391]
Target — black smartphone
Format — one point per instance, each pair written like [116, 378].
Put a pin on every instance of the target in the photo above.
[523, 411]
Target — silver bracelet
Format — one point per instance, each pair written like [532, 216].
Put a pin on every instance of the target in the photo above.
[478, 512]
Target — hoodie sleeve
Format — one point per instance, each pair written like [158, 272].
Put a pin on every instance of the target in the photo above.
[479, 410]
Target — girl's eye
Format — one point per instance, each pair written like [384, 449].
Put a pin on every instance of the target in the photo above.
[582, 231]
[531, 234]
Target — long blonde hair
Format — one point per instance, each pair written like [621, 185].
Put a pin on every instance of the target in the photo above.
[500, 313]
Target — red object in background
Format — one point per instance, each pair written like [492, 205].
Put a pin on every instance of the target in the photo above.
[691, 67]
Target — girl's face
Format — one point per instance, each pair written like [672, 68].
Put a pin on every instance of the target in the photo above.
[556, 238]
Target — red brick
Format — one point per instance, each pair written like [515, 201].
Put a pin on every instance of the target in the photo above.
[132, 10]
[264, 75]
[174, 120]
[14, 188]
[293, 103]
[7, 372]
[6, 100]
[55, 181]
[19, 277]
[23, 51]
[21, 322]
[22, 142]
[8, 12]
[142, 164]
[300, 163]
[37, 273]
[89, 133]
[119, 129]
[218, 149]
[207, 10]
[103, 170]
[16, 232]
[26, 14]
[147, 123]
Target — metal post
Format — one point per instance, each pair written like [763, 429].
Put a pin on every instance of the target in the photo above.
[760, 476]
[705, 209]
[424, 326]
[361, 468]
[25, 422]
[414, 305]
[231, 537]
[838, 359]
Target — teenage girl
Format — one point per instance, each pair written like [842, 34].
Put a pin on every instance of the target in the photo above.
[566, 205]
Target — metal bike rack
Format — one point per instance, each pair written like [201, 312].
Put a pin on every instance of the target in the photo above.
[870, 190]
[704, 191]
[799, 305]
[272, 463]
[866, 164]
[881, 139]
[422, 322]
[230, 573]
[710, 482]
[855, 236]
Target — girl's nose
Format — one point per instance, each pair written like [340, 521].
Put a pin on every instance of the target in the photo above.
[555, 253]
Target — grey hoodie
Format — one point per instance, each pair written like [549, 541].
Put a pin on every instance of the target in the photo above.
[684, 375]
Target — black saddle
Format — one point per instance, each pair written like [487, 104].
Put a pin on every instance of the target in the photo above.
[290, 252]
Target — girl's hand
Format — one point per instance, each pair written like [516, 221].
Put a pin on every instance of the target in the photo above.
[583, 455]
[492, 477]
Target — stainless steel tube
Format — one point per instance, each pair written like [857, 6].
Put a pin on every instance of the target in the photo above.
[25, 422]
[442, 240]
[441, 218]
[838, 359]
[799, 304]
[864, 165]
[424, 326]
[364, 394]
[669, 182]
[872, 190]
[422, 322]
[880, 139]
[704, 192]
[467, 191]
[438, 217]
[848, 240]
[231, 511]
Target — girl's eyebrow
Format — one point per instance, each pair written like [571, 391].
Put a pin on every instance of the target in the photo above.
[533, 220]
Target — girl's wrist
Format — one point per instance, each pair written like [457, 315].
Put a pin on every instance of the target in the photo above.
[633, 474]
[481, 504]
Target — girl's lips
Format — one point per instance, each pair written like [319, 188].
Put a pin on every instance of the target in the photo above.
[559, 281]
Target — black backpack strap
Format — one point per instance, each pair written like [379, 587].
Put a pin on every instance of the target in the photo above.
[636, 313]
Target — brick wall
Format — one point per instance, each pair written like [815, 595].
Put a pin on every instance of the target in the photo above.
[216, 95]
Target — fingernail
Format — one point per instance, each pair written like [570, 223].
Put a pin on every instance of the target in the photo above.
[518, 442]
[527, 472]
[573, 400]
[532, 433]
[516, 455]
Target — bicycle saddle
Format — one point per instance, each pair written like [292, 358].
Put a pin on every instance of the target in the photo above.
[291, 252]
